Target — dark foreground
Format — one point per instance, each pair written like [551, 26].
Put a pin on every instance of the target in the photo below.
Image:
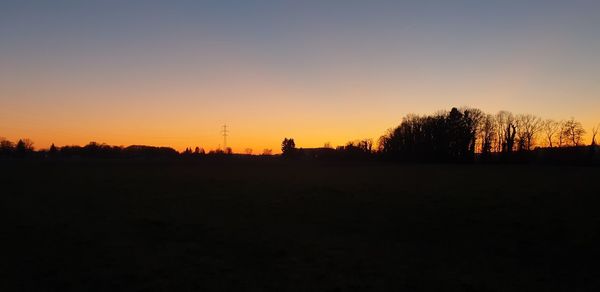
[273, 226]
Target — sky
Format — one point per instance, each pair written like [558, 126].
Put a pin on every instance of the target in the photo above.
[171, 73]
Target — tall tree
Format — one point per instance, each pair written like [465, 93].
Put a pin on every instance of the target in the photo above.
[573, 132]
[594, 133]
[550, 129]
[473, 122]
[486, 135]
[507, 131]
[562, 130]
[53, 150]
[23, 147]
[458, 134]
[528, 127]
[288, 147]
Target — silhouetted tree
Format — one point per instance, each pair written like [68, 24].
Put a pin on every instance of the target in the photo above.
[288, 147]
[473, 121]
[573, 132]
[357, 149]
[528, 126]
[248, 151]
[267, 152]
[198, 151]
[364, 145]
[594, 134]
[550, 129]
[217, 151]
[487, 134]
[6, 147]
[459, 134]
[562, 131]
[24, 147]
[443, 136]
[53, 151]
[508, 130]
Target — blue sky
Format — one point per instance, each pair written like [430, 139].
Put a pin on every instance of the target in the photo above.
[171, 72]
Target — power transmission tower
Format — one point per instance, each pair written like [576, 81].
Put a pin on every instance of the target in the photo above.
[224, 131]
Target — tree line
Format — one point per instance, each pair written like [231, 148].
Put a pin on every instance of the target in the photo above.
[464, 134]
[460, 134]
[24, 148]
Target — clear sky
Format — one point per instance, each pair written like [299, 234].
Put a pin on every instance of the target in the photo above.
[172, 72]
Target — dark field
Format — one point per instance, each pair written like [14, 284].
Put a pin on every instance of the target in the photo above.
[276, 226]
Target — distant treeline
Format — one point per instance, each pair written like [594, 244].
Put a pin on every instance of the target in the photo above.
[24, 149]
[458, 135]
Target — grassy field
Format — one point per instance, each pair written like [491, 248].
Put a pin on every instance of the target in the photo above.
[277, 226]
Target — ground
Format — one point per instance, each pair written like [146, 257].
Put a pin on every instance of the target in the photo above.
[297, 226]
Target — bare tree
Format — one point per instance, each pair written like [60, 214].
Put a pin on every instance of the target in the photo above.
[366, 145]
[267, 151]
[24, 145]
[594, 133]
[4, 143]
[487, 134]
[384, 141]
[28, 144]
[6, 146]
[499, 130]
[506, 131]
[550, 129]
[561, 133]
[248, 151]
[573, 132]
[473, 118]
[528, 127]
